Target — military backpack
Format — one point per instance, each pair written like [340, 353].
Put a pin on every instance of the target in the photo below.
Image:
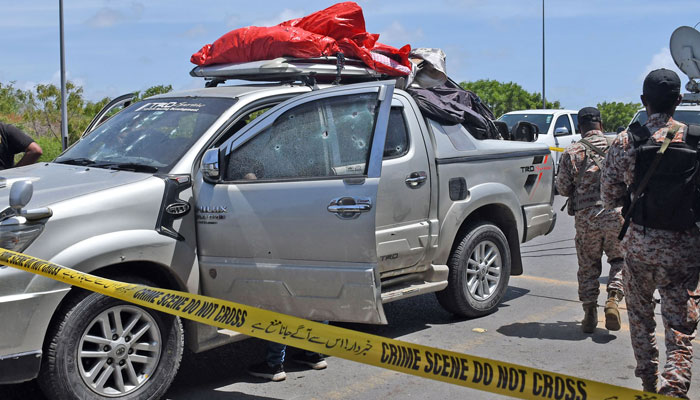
[665, 190]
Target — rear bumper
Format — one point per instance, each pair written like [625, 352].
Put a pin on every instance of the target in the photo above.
[16, 368]
[538, 220]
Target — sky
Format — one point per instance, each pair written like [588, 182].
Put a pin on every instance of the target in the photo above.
[595, 50]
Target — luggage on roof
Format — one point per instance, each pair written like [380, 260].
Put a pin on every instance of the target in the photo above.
[337, 29]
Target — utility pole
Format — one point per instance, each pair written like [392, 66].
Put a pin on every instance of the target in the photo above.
[544, 101]
[64, 107]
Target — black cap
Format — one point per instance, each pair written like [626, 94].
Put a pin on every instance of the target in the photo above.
[661, 84]
[589, 114]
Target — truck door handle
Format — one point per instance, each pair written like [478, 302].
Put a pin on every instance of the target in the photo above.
[349, 207]
[416, 179]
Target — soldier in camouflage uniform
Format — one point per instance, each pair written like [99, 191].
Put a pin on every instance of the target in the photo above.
[596, 228]
[656, 258]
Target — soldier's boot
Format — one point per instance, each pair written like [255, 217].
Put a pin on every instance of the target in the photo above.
[612, 314]
[590, 317]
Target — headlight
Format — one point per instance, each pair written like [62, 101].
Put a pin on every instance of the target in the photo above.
[16, 235]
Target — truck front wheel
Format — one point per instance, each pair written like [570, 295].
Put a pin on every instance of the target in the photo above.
[479, 272]
[103, 348]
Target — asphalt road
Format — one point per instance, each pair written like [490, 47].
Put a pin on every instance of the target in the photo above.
[538, 325]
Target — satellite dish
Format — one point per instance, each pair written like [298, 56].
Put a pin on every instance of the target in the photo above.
[685, 50]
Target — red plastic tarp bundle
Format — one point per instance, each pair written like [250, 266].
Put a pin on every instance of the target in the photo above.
[337, 29]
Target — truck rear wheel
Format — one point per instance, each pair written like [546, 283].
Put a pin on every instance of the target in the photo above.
[479, 272]
[104, 348]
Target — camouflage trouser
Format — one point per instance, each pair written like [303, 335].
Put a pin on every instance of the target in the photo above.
[680, 300]
[593, 237]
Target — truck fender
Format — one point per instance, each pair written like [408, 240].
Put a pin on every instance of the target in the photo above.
[483, 200]
[127, 246]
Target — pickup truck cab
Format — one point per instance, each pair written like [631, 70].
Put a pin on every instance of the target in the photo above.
[558, 128]
[687, 113]
[317, 200]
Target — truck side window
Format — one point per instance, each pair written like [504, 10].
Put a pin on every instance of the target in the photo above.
[563, 122]
[396, 144]
[321, 138]
[575, 118]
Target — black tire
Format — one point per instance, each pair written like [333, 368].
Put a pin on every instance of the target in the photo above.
[461, 296]
[65, 374]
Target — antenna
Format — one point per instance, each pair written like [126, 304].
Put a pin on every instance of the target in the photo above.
[685, 50]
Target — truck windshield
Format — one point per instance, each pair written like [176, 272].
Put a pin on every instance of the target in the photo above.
[686, 116]
[541, 120]
[147, 136]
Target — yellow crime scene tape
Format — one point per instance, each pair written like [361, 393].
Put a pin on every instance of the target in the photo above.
[559, 149]
[428, 362]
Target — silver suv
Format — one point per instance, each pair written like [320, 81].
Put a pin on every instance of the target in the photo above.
[321, 201]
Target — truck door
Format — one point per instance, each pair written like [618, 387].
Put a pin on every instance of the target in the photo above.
[404, 193]
[290, 225]
[562, 135]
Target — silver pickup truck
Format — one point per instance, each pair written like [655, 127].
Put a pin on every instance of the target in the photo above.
[320, 201]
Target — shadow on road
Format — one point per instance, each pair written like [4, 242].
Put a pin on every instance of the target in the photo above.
[218, 395]
[560, 330]
[21, 391]
[513, 293]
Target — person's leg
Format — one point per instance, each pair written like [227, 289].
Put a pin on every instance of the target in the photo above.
[639, 290]
[311, 359]
[589, 249]
[275, 353]
[272, 368]
[679, 310]
[615, 288]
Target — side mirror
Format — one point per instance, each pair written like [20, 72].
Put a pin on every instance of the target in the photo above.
[210, 165]
[20, 194]
[524, 131]
[561, 131]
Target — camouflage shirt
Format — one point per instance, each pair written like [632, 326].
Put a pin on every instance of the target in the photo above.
[569, 183]
[642, 244]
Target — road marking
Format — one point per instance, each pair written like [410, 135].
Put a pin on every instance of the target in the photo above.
[545, 280]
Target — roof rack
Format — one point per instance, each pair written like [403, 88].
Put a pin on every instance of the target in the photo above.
[322, 69]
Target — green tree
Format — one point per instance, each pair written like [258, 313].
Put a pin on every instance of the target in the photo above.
[504, 97]
[43, 110]
[38, 112]
[152, 91]
[616, 114]
[11, 104]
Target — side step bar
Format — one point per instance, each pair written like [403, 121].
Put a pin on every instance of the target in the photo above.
[406, 286]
